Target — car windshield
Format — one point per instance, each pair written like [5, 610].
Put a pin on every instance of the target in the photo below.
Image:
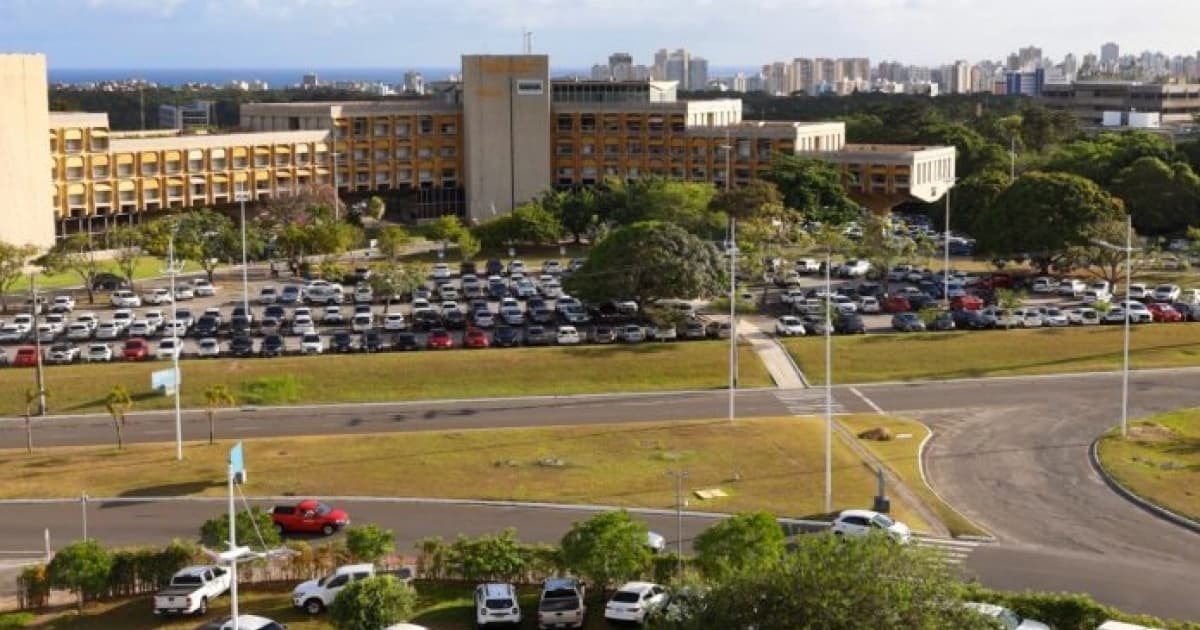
[323, 509]
[626, 597]
[567, 600]
[882, 521]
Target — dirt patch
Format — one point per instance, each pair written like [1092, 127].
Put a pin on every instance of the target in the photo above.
[1151, 432]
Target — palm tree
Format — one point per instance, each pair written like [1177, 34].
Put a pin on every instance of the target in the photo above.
[216, 397]
[118, 403]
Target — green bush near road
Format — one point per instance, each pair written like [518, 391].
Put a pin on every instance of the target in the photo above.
[1159, 461]
[943, 355]
[398, 376]
[1069, 611]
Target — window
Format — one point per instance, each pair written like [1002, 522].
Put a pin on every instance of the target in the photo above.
[448, 152]
[282, 159]
[195, 165]
[403, 153]
[125, 170]
[449, 129]
[634, 148]
[612, 125]
[261, 160]
[404, 176]
[176, 191]
[100, 171]
[359, 127]
[425, 153]
[381, 155]
[425, 125]
[529, 86]
[564, 148]
[633, 126]
[74, 172]
[566, 122]
[73, 146]
[425, 175]
[403, 129]
[381, 130]
[360, 155]
[218, 164]
[103, 197]
[76, 200]
[587, 148]
[239, 162]
[449, 177]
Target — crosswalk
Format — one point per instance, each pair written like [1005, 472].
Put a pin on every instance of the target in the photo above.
[952, 551]
[806, 402]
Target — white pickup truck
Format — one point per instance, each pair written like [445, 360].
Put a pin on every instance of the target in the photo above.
[191, 589]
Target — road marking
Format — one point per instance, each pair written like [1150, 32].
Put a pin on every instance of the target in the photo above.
[951, 551]
[807, 402]
[870, 403]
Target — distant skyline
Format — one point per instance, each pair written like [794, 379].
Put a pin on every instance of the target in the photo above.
[122, 34]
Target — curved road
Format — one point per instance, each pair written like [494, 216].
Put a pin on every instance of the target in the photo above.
[1010, 453]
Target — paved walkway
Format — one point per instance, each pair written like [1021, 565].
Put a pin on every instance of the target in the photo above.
[779, 364]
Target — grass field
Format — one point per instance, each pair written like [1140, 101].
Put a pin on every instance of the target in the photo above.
[398, 376]
[1160, 460]
[764, 464]
[147, 267]
[902, 456]
[901, 357]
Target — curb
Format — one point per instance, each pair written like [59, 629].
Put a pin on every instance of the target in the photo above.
[792, 362]
[1152, 508]
[988, 537]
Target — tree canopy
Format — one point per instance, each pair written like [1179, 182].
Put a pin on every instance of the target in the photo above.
[744, 542]
[812, 188]
[1162, 198]
[373, 603]
[685, 204]
[529, 223]
[83, 567]
[607, 548]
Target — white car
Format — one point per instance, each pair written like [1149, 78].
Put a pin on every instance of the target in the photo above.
[363, 294]
[10, 333]
[155, 318]
[159, 296]
[1166, 293]
[844, 305]
[1138, 291]
[332, 315]
[24, 321]
[79, 331]
[362, 322]
[853, 523]
[1096, 296]
[98, 352]
[88, 318]
[208, 348]
[184, 291]
[498, 604]
[124, 298]
[122, 318]
[302, 324]
[868, 304]
[268, 295]
[204, 288]
[168, 349]
[1045, 285]
[1138, 313]
[441, 271]
[1007, 619]
[1071, 288]
[315, 596]
[62, 304]
[1055, 317]
[394, 321]
[552, 290]
[792, 296]
[899, 273]
[789, 326]
[310, 343]
[516, 267]
[567, 336]
[1083, 316]
[1028, 318]
[253, 622]
[141, 328]
[633, 601]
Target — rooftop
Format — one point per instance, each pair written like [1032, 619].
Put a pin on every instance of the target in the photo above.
[217, 140]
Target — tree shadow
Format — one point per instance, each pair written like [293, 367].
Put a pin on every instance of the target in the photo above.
[186, 488]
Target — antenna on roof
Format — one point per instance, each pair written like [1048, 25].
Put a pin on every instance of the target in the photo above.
[526, 42]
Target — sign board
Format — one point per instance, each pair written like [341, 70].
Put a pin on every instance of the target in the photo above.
[237, 463]
[164, 380]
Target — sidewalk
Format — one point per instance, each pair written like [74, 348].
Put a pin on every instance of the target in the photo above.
[779, 364]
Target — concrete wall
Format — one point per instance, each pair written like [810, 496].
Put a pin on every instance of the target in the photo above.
[506, 128]
[26, 200]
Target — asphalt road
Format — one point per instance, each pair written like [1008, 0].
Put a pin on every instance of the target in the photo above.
[1010, 453]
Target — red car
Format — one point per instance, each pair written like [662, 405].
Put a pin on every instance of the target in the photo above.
[440, 339]
[1164, 313]
[309, 516]
[966, 303]
[896, 304]
[997, 281]
[26, 357]
[135, 350]
[475, 338]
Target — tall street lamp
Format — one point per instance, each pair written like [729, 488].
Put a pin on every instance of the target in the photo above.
[241, 195]
[732, 251]
[173, 269]
[828, 382]
[946, 247]
[1128, 249]
[40, 375]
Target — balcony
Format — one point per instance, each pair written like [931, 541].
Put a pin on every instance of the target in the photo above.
[125, 170]
[195, 166]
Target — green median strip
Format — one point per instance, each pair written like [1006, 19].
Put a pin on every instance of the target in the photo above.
[969, 354]
[424, 375]
[1159, 460]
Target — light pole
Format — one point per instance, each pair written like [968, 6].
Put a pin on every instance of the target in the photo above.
[1128, 249]
[946, 248]
[245, 273]
[173, 270]
[679, 476]
[828, 383]
[732, 250]
[40, 375]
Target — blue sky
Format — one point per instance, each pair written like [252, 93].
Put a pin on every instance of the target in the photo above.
[576, 33]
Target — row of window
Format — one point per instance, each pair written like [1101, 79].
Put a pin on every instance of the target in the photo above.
[97, 144]
[743, 151]
[566, 176]
[175, 167]
[425, 126]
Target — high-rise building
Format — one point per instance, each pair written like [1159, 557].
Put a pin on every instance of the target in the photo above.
[1026, 83]
[830, 71]
[855, 68]
[677, 67]
[697, 74]
[1110, 53]
[620, 66]
[739, 82]
[803, 74]
[414, 83]
[660, 65]
[778, 78]
[194, 115]
[1070, 67]
[960, 77]
[601, 72]
[25, 156]
[1030, 57]
[309, 81]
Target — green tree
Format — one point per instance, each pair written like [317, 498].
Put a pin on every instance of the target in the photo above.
[970, 199]
[376, 207]
[748, 201]
[373, 603]
[390, 282]
[1101, 157]
[392, 240]
[1010, 298]
[444, 229]
[214, 533]
[83, 567]
[488, 557]
[370, 543]
[685, 204]
[126, 244]
[12, 267]
[813, 188]
[468, 246]
[1162, 198]
[118, 403]
[528, 223]
[577, 210]
[646, 262]
[1103, 262]
[745, 542]
[216, 397]
[1042, 214]
[607, 548]
[831, 584]
[76, 254]
[207, 238]
[881, 247]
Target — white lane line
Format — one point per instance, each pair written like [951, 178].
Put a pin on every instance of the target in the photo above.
[870, 403]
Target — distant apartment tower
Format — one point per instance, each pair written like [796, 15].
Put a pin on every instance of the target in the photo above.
[660, 65]
[778, 78]
[855, 68]
[414, 83]
[1109, 53]
[601, 72]
[310, 81]
[194, 115]
[697, 74]
[960, 78]
[620, 66]
[828, 71]
[1025, 83]
[677, 67]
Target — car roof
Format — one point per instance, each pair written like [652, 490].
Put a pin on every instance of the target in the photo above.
[862, 513]
[248, 622]
[559, 582]
[495, 589]
[195, 569]
[637, 587]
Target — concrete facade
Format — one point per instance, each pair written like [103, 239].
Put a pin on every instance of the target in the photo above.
[28, 198]
[506, 110]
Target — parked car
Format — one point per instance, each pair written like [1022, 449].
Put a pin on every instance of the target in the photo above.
[268, 295]
[241, 346]
[124, 298]
[1071, 288]
[944, 321]
[308, 516]
[62, 304]
[135, 349]
[1166, 293]
[1044, 285]
[856, 523]
[970, 320]
[847, 325]
[310, 343]
[896, 303]
[633, 601]
[1007, 619]
[869, 304]
[497, 604]
[1028, 317]
[62, 353]
[1055, 317]
[272, 346]
[907, 322]
[158, 296]
[184, 291]
[98, 353]
[372, 341]
[314, 596]
[538, 336]
[253, 622]
[1138, 291]
[632, 333]
[26, 356]
[405, 341]
[203, 288]
[10, 333]
[169, 348]
[567, 336]
[290, 294]
[561, 604]
[208, 348]
[1083, 316]
[789, 326]
[475, 338]
[966, 302]
[439, 339]
[1164, 313]
[441, 271]
[191, 589]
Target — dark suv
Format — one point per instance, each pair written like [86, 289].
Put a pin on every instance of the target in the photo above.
[241, 346]
[272, 346]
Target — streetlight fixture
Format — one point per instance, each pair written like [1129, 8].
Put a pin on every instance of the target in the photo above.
[946, 247]
[173, 270]
[1128, 249]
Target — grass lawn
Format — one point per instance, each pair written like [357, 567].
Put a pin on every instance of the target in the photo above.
[901, 357]
[901, 455]
[774, 464]
[147, 267]
[398, 376]
[1160, 460]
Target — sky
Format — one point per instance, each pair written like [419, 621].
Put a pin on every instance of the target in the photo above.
[575, 33]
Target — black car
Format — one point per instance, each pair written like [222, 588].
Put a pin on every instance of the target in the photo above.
[241, 310]
[603, 334]
[405, 340]
[873, 289]
[372, 341]
[970, 320]
[241, 346]
[206, 326]
[276, 312]
[497, 290]
[907, 322]
[454, 319]
[272, 346]
[943, 321]
[427, 319]
[108, 282]
[239, 325]
[506, 337]
[543, 315]
[1190, 312]
[919, 301]
[342, 341]
[538, 336]
[494, 267]
[849, 324]
[467, 268]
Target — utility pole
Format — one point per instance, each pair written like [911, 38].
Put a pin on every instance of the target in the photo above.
[40, 375]
[173, 270]
[828, 383]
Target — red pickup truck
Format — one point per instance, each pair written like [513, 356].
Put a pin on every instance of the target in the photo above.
[308, 516]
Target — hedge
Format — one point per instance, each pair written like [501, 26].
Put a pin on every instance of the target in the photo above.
[1069, 611]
